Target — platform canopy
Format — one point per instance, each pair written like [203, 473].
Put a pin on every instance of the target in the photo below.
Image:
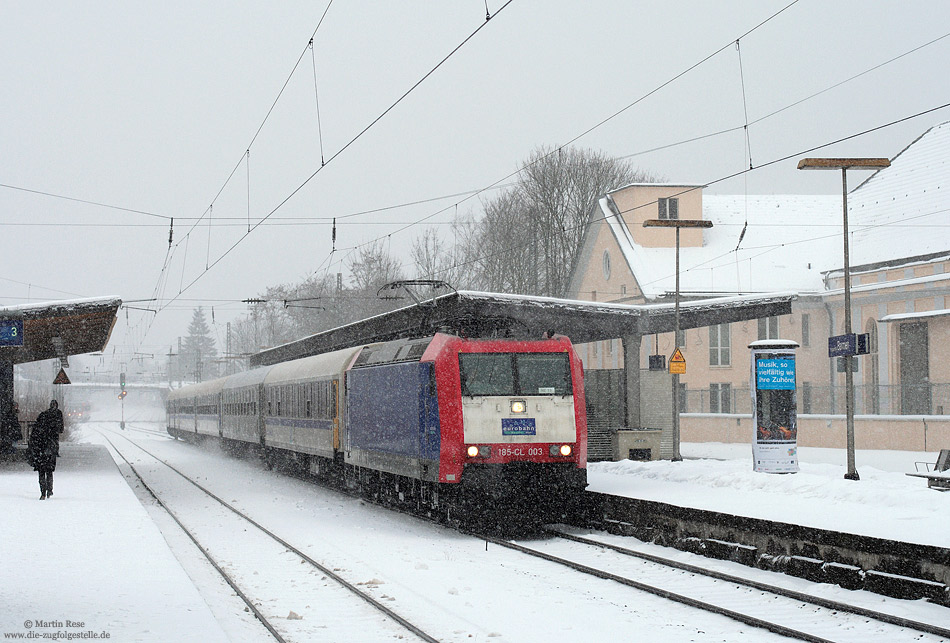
[480, 314]
[58, 329]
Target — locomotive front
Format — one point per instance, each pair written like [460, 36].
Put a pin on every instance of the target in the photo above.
[514, 425]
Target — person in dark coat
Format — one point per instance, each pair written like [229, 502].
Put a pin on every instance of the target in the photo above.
[44, 446]
[10, 432]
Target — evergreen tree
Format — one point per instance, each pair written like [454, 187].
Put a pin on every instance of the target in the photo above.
[196, 362]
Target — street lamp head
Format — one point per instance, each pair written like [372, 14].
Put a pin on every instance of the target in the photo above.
[843, 164]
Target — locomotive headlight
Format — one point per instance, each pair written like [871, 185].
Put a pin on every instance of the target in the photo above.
[518, 406]
[473, 452]
[563, 450]
[483, 451]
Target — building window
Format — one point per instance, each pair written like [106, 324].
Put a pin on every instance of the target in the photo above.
[719, 351]
[768, 328]
[805, 330]
[606, 266]
[720, 398]
[593, 295]
[623, 289]
[669, 208]
[806, 397]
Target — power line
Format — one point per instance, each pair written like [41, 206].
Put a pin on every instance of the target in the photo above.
[341, 150]
[600, 123]
[516, 246]
[85, 201]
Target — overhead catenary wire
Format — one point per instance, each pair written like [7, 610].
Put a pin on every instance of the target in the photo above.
[343, 148]
[248, 218]
[606, 120]
[515, 246]
[316, 95]
[627, 156]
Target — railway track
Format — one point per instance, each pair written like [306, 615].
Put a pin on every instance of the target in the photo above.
[268, 551]
[779, 610]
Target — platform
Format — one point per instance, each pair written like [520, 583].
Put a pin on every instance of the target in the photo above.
[90, 559]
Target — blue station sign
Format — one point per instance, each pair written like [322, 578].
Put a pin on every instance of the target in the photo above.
[841, 345]
[775, 374]
[11, 332]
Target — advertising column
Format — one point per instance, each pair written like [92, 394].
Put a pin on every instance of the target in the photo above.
[774, 413]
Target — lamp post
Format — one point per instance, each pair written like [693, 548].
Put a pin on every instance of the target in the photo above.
[844, 165]
[678, 224]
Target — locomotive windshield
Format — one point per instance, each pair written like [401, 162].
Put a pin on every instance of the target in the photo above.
[515, 374]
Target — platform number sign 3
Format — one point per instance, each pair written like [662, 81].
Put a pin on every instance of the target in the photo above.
[11, 332]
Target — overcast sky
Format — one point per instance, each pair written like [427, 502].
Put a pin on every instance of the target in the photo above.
[149, 107]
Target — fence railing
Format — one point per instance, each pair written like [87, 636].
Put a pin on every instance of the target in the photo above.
[926, 399]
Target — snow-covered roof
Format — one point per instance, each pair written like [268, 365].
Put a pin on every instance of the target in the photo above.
[61, 305]
[790, 240]
[902, 211]
[61, 328]
[943, 312]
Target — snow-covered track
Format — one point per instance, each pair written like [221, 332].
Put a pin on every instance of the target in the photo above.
[154, 432]
[800, 618]
[774, 589]
[385, 622]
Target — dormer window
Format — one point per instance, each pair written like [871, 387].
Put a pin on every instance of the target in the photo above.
[669, 208]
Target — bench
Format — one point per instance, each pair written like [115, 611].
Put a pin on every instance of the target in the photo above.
[938, 477]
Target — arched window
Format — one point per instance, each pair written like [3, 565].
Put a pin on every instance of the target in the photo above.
[606, 266]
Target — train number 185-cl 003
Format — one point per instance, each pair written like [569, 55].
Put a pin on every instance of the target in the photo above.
[509, 451]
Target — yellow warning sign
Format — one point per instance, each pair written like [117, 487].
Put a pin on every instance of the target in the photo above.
[677, 363]
[61, 378]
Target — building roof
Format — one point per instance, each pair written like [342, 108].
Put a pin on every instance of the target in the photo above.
[780, 249]
[481, 314]
[792, 241]
[904, 210]
[61, 328]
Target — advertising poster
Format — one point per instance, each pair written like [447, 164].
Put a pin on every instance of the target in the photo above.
[775, 445]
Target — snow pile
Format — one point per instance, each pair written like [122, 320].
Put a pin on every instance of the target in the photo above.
[884, 503]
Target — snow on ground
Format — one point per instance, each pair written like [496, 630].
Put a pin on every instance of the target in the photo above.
[884, 503]
[450, 584]
[90, 559]
[93, 554]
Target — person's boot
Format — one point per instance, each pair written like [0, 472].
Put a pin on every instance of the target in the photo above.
[43, 495]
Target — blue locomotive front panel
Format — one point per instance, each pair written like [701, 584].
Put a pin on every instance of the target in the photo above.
[392, 419]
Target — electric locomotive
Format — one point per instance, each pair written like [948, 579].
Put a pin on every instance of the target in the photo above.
[449, 425]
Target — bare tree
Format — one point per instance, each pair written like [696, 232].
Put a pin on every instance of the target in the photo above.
[531, 233]
[436, 258]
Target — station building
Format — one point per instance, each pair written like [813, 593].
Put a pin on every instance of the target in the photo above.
[899, 218]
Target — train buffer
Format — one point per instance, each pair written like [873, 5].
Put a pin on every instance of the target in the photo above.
[938, 477]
